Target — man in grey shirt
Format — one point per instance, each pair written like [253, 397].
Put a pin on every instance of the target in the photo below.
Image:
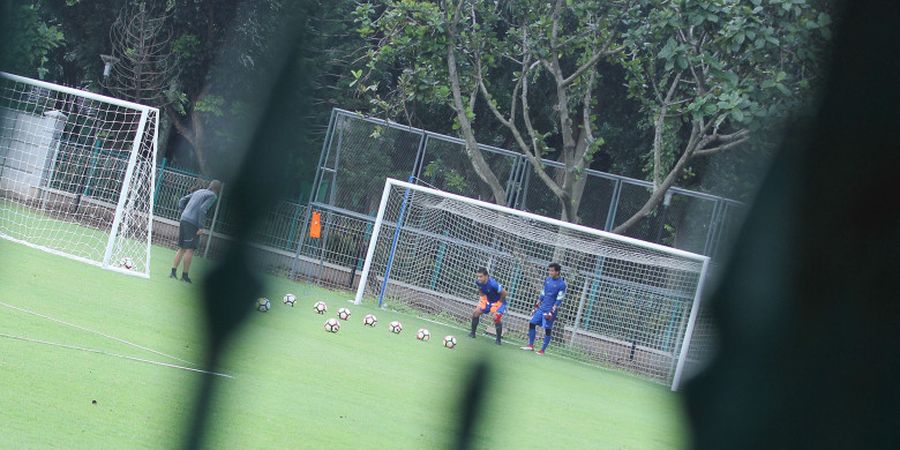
[193, 215]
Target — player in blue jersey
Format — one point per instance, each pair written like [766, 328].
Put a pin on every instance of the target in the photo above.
[546, 308]
[492, 301]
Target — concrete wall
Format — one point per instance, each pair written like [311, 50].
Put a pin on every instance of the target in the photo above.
[28, 146]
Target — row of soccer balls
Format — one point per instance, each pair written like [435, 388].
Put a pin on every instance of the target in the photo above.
[333, 326]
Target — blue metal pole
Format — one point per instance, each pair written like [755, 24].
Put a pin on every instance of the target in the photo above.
[667, 343]
[390, 261]
[595, 286]
[159, 180]
[98, 144]
[514, 280]
[439, 262]
[613, 206]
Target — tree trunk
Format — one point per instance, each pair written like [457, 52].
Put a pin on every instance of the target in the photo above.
[194, 133]
[481, 167]
[200, 143]
[659, 192]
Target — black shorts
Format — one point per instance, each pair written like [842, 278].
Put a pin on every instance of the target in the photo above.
[187, 235]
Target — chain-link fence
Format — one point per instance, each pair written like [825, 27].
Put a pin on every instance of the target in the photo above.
[360, 152]
[282, 242]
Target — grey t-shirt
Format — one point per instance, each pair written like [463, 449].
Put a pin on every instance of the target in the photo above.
[195, 205]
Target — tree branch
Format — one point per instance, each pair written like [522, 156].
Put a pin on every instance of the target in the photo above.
[658, 128]
[606, 51]
[534, 156]
[481, 167]
[727, 141]
[180, 126]
[586, 121]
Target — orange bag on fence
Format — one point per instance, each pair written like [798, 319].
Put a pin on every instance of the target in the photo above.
[315, 225]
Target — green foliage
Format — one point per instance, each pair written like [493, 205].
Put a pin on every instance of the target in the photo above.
[438, 173]
[33, 38]
[509, 47]
[188, 48]
[739, 65]
[210, 104]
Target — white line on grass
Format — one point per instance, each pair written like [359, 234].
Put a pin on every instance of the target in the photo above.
[123, 341]
[116, 355]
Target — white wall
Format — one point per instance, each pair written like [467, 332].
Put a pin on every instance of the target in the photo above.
[28, 147]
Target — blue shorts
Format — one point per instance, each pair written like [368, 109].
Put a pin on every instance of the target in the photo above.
[538, 319]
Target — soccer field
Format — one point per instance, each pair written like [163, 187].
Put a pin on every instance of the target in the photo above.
[293, 385]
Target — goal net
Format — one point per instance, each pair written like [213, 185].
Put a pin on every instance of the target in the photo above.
[629, 304]
[76, 173]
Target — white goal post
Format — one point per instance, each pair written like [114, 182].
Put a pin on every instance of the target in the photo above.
[77, 171]
[630, 304]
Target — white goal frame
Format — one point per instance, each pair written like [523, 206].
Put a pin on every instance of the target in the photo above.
[394, 185]
[147, 129]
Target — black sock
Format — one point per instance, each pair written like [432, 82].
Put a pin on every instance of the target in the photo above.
[174, 272]
[499, 328]
[474, 324]
[184, 275]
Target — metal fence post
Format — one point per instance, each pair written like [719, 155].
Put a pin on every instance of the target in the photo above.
[525, 185]
[584, 290]
[713, 234]
[212, 226]
[613, 206]
[323, 243]
[159, 180]
[420, 158]
[332, 194]
[301, 239]
[595, 286]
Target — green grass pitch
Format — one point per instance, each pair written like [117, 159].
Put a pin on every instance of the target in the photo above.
[294, 385]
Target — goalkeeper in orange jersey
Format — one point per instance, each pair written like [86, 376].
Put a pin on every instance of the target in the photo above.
[492, 301]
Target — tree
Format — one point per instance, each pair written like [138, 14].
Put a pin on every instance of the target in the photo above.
[218, 48]
[711, 74]
[32, 39]
[141, 41]
[422, 37]
[455, 52]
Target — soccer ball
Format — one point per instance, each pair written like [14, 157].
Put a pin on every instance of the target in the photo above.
[343, 313]
[396, 327]
[332, 325]
[320, 307]
[370, 320]
[449, 341]
[289, 299]
[423, 334]
[262, 304]
[127, 263]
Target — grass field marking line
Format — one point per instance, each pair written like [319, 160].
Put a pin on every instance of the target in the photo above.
[115, 355]
[123, 341]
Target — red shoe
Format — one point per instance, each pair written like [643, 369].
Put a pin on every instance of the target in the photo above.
[539, 353]
[528, 348]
